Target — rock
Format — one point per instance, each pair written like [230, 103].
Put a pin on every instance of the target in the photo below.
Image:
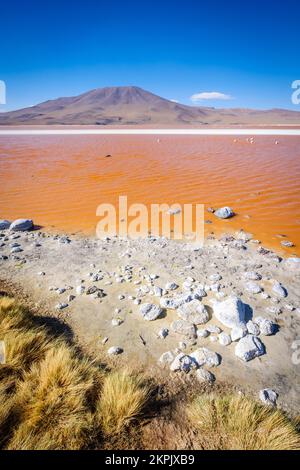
[268, 396]
[204, 356]
[266, 326]
[183, 327]
[21, 225]
[213, 339]
[224, 213]
[163, 333]
[80, 290]
[91, 290]
[158, 291]
[194, 312]
[253, 287]
[215, 277]
[214, 329]
[166, 357]
[16, 249]
[182, 362]
[230, 312]
[287, 244]
[175, 302]
[252, 276]
[116, 321]
[71, 297]
[114, 351]
[4, 224]
[61, 306]
[238, 332]
[279, 290]
[224, 339]
[150, 312]
[253, 328]
[199, 293]
[202, 333]
[171, 286]
[244, 236]
[249, 347]
[205, 376]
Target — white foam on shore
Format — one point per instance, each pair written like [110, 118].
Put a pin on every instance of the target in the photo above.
[205, 132]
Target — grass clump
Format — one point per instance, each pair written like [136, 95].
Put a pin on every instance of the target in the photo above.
[234, 422]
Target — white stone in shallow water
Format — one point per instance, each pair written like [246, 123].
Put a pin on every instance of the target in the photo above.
[204, 356]
[184, 328]
[194, 312]
[205, 376]
[21, 225]
[279, 290]
[224, 213]
[150, 312]
[230, 312]
[268, 396]
[4, 224]
[249, 347]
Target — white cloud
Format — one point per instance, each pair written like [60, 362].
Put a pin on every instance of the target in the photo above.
[174, 101]
[210, 95]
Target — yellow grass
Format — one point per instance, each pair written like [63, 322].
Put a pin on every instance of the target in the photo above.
[50, 397]
[123, 397]
[236, 422]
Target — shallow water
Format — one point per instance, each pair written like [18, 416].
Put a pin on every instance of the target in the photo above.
[60, 180]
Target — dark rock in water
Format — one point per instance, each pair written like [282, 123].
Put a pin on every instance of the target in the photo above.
[211, 210]
[108, 156]
[4, 224]
[21, 225]
[287, 244]
[224, 213]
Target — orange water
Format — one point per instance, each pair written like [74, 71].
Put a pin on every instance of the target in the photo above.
[60, 180]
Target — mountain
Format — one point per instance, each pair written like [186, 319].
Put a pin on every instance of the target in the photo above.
[133, 106]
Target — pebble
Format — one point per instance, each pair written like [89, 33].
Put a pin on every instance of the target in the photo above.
[253, 287]
[114, 351]
[150, 312]
[268, 396]
[224, 339]
[279, 290]
[205, 376]
[163, 333]
[61, 306]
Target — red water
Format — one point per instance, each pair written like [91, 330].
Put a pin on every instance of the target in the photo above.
[60, 180]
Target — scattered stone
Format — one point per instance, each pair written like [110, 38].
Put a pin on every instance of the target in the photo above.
[204, 356]
[215, 277]
[230, 312]
[279, 290]
[249, 347]
[224, 213]
[202, 333]
[253, 328]
[21, 225]
[253, 287]
[183, 327]
[194, 312]
[205, 376]
[4, 224]
[268, 396]
[71, 297]
[238, 332]
[224, 339]
[266, 326]
[182, 362]
[80, 289]
[61, 306]
[16, 249]
[158, 291]
[252, 276]
[150, 312]
[214, 329]
[171, 286]
[287, 244]
[116, 321]
[114, 351]
[167, 357]
[163, 333]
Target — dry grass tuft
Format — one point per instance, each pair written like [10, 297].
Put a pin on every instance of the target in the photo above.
[50, 397]
[124, 396]
[239, 423]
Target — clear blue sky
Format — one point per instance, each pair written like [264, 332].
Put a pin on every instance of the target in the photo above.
[249, 50]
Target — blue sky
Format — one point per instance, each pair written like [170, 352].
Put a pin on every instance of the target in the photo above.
[247, 50]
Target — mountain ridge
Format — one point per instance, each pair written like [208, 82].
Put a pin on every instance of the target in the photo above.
[132, 105]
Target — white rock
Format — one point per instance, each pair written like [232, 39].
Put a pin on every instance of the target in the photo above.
[215, 277]
[203, 333]
[253, 287]
[238, 332]
[61, 306]
[268, 396]
[157, 291]
[230, 312]
[214, 329]
[266, 326]
[167, 357]
[150, 312]
[249, 347]
[205, 376]
[253, 328]
[163, 333]
[184, 328]
[114, 351]
[224, 213]
[21, 225]
[182, 362]
[80, 289]
[204, 356]
[293, 264]
[4, 224]
[213, 339]
[252, 276]
[279, 290]
[194, 312]
[171, 286]
[116, 321]
[224, 339]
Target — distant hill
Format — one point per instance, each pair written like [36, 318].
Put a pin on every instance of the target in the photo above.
[133, 106]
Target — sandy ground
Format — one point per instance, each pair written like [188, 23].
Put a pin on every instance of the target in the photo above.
[47, 262]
